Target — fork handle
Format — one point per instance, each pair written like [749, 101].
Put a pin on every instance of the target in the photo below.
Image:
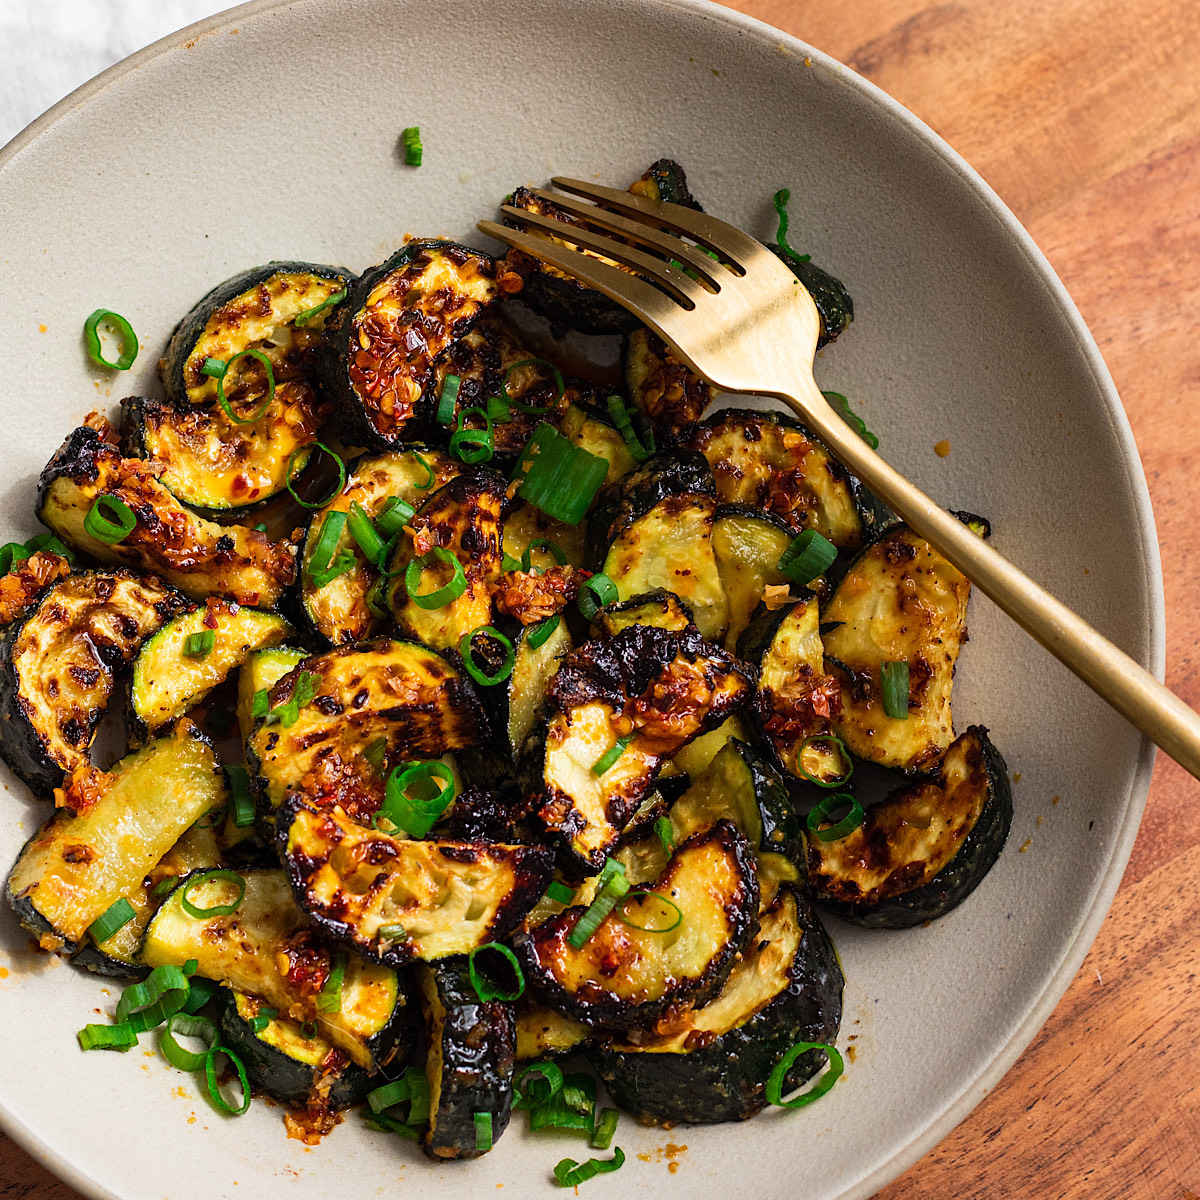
[1107, 670]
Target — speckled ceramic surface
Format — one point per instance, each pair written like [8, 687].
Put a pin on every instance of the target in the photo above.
[271, 133]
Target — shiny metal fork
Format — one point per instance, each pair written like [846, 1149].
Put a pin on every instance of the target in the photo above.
[745, 323]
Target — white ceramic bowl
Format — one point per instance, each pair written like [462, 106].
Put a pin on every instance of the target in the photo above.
[271, 133]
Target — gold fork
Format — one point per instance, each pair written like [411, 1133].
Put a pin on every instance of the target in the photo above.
[744, 322]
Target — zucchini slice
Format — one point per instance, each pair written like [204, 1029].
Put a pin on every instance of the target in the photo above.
[544, 1033]
[262, 670]
[267, 949]
[672, 397]
[900, 601]
[525, 525]
[21, 586]
[463, 517]
[695, 757]
[402, 692]
[747, 544]
[397, 319]
[625, 976]
[923, 849]
[834, 305]
[197, 556]
[593, 430]
[338, 611]
[469, 1065]
[112, 831]
[524, 692]
[167, 680]
[394, 899]
[770, 461]
[656, 688]
[709, 1064]
[662, 609]
[665, 180]
[57, 667]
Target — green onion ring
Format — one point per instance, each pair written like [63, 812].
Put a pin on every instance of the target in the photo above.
[553, 548]
[107, 1037]
[774, 1088]
[506, 667]
[331, 301]
[448, 400]
[462, 439]
[326, 543]
[416, 817]
[106, 530]
[538, 635]
[217, 910]
[807, 556]
[820, 813]
[243, 802]
[639, 894]
[144, 1005]
[365, 533]
[129, 343]
[439, 596]
[606, 1128]
[595, 593]
[483, 988]
[337, 487]
[214, 1091]
[804, 773]
[893, 681]
[569, 1173]
[547, 1082]
[183, 1024]
[531, 409]
[115, 917]
[483, 1131]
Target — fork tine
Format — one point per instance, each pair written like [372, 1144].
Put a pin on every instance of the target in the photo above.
[708, 231]
[679, 284]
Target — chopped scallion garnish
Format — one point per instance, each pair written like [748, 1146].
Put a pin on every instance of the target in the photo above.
[485, 989]
[606, 1128]
[595, 593]
[182, 1024]
[393, 517]
[569, 1173]
[329, 998]
[552, 548]
[129, 343]
[337, 487]
[608, 759]
[304, 691]
[893, 680]
[483, 1131]
[243, 802]
[539, 633]
[107, 1037]
[775, 1081]
[261, 703]
[448, 400]
[836, 746]
[641, 448]
[309, 314]
[111, 527]
[503, 671]
[808, 555]
[557, 476]
[439, 596]
[327, 540]
[376, 754]
[219, 371]
[364, 533]
[823, 812]
[216, 910]
[144, 1005]
[612, 887]
[546, 1081]
[560, 893]
[666, 833]
[472, 446]
[413, 149]
[214, 1090]
[642, 896]
[118, 914]
[532, 409]
[417, 815]
[200, 644]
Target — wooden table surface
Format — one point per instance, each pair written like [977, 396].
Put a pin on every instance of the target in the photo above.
[1084, 115]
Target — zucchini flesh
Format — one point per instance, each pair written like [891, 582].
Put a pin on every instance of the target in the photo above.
[197, 556]
[167, 681]
[338, 611]
[526, 524]
[112, 832]
[56, 673]
[624, 976]
[592, 430]
[694, 758]
[747, 545]
[900, 601]
[445, 897]
[672, 397]
[534, 668]
[262, 670]
[544, 1033]
[266, 948]
[662, 609]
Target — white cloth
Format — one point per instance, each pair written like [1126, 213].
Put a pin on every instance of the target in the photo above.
[49, 47]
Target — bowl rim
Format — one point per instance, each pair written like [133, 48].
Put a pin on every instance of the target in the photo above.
[1053, 990]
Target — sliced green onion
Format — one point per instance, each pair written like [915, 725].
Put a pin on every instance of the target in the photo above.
[217, 910]
[416, 816]
[376, 599]
[386, 1124]
[532, 409]
[893, 678]
[815, 740]
[542, 630]
[439, 596]
[376, 754]
[393, 517]
[572, 1106]
[259, 1023]
[12, 555]
[329, 998]
[448, 400]
[344, 563]
[392, 933]
[780, 200]
[304, 690]
[560, 893]
[557, 476]
[214, 1091]
[412, 1089]
[211, 366]
[608, 759]
[201, 993]
[429, 471]
[200, 644]
[47, 541]
[182, 1024]
[606, 1129]
[144, 1005]
[613, 886]
[243, 802]
[468, 655]
[483, 1131]
[214, 368]
[666, 833]
[774, 1088]
[106, 1037]
[383, 1098]
[472, 445]
[508, 563]
[499, 411]
[807, 556]
[309, 314]
[853, 419]
[547, 1081]
[553, 548]
[309, 1030]
[640, 450]
[364, 533]
[115, 527]
[129, 344]
[337, 487]
[569, 1173]
[644, 895]
[326, 543]
[823, 811]
[413, 149]
[484, 988]
[116, 916]
[595, 593]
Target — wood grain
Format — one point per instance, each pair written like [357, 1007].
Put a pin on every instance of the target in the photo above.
[1085, 116]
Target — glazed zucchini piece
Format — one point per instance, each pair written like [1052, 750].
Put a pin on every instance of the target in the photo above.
[923, 849]
[695, 757]
[57, 666]
[665, 180]
[524, 525]
[394, 899]
[651, 689]
[172, 673]
[592, 429]
[337, 610]
[469, 1065]
[198, 557]
[398, 317]
[26, 581]
[402, 692]
[900, 601]
[262, 670]
[747, 544]
[110, 833]
[624, 975]
[834, 304]
[463, 518]
[521, 699]
[770, 461]
[544, 1033]
[671, 397]
[266, 948]
[710, 1064]
[660, 608]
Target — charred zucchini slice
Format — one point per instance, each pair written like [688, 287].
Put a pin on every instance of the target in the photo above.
[665, 180]
[463, 517]
[834, 304]
[710, 1064]
[770, 461]
[111, 832]
[525, 525]
[266, 948]
[651, 688]
[395, 899]
[469, 1065]
[57, 667]
[200, 558]
[592, 430]
[625, 976]
[338, 610]
[544, 1033]
[672, 397]
[397, 319]
[923, 849]
[747, 544]
[694, 758]
[261, 671]
[404, 693]
[525, 689]
[171, 674]
[662, 609]
[900, 601]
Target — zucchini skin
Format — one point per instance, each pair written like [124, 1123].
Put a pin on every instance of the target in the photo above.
[472, 1051]
[834, 304]
[725, 1079]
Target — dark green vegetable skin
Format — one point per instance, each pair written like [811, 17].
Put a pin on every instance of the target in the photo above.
[725, 1080]
[834, 305]
[781, 829]
[478, 1049]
